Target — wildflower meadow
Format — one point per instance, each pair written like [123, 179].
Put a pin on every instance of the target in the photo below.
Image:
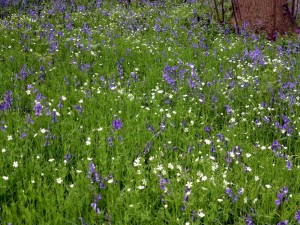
[145, 113]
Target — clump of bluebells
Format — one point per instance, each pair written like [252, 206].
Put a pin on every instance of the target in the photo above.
[233, 196]
[6, 103]
[282, 196]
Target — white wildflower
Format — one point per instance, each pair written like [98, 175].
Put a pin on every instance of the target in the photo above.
[201, 214]
[137, 162]
[170, 166]
[59, 180]
[189, 184]
[43, 130]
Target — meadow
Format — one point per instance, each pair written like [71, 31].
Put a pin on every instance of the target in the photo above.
[151, 113]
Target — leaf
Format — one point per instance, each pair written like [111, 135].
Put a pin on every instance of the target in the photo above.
[95, 46]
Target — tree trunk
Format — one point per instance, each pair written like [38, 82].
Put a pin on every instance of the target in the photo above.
[268, 16]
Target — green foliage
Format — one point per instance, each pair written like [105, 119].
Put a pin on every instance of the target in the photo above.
[152, 114]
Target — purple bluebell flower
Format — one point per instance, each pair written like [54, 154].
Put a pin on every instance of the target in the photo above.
[230, 194]
[228, 110]
[23, 135]
[107, 216]
[286, 222]
[240, 192]
[99, 3]
[249, 220]
[110, 140]
[79, 109]
[60, 105]
[275, 146]
[228, 191]
[102, 185]
[213, 150]
[168, 78]
[297, 216]
[83, 222]
[267, 119]
[207, 129]
[186, 198]
[47, 140]
[7, 101]
[190, 148]
[69, 26]
[95, 208]
[117, 124]
[192, 83]
[288, 163]
[38, 109]
[134, 77]
[162, 126]
[120, 69]
[163, 182]
[282, 196]
[258, 123]
[93, 174]
[67, 157]
[86, 29]
[53, 47]
[66, 79]
[220, 136]
[85, 67]
[47, 111]
[23, 72]
[38, 96]
[147, 147]
[150, 128]
[54, 117]
[228, 158]
[97, 198]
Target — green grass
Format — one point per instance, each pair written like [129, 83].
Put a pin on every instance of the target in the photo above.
[201, 110]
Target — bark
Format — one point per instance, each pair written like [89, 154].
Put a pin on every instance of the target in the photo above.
[268, 16]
